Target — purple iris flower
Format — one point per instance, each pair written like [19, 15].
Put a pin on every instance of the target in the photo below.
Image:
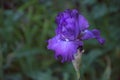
[71, 31]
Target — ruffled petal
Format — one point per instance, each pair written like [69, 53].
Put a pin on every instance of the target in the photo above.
[87, 34]
[67, 23]
[64, 49]
[52, 43]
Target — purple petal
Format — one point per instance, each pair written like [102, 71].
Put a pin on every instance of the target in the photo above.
[87, 34]
[83, 23]
[52, 43]
[101, 40]
[67, 22]
[64, 49]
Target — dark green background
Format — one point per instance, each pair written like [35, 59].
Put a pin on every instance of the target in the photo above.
[26, 25]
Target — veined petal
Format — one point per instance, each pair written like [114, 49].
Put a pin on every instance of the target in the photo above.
[52, 43]
[87, 34]
[68, 24]
[64, 49]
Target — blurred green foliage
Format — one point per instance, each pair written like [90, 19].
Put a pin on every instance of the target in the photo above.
[26, 25]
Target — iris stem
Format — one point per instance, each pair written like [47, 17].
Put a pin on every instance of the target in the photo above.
[76, 62]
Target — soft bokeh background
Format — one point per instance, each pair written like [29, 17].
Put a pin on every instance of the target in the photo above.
[26, 25]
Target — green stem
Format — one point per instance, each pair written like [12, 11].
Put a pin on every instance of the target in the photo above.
[76, 62]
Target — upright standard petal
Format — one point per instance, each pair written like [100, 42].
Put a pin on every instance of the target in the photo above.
[67, 23]
[82, 23]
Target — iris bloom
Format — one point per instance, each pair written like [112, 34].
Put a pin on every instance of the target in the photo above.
[71, 31]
